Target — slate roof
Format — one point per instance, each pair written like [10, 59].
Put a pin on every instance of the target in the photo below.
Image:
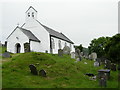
[32, 8]
[56, 34]
[29, 34]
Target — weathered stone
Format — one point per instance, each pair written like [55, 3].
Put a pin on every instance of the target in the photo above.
[60, 52]
[66, 50]
[94, 56]
[33, 69]
[73, 55]
[6, 55]
[103, 73]
[42, 73]
[103, 82]
[96, 64]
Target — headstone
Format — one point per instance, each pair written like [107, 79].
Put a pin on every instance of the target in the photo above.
[82, 53]
[94, 56]
[77, 59]
[66, 50]
[113, 67]
[6, 55]
[96, 64]
[73, 55]
[90, 57]
[42, 73]
[60, 52]
[85, 62]
[46, 51]
[104, 73]
[77, 52]
[103, 82]
[107, 64]
[99, 61]
[33, 69]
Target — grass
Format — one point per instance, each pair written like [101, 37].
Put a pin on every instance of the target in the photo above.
[62, 72]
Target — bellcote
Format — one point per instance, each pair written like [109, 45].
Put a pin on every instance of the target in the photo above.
[31, 13]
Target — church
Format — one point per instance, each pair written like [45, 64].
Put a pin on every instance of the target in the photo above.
[33, 36]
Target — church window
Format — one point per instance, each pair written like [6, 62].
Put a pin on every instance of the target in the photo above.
[28, 14]
[59, 44]
[52, 43]
[32, 14]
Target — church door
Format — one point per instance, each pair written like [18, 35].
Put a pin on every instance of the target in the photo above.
[26, 47]
[18, 47]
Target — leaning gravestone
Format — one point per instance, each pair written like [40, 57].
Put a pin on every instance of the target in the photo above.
[66, 50]
[113, 67]
[42, 73]
[60, 52]
[102, 82]
[33, 69]
[96, 64]
[73, 55]
[6, 55]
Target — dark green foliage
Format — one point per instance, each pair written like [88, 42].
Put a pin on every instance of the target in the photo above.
[112, 48]
[98, 46]
[80, 47]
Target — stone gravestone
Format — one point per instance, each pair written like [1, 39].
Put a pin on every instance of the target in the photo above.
[96, 64]
[42, 73]
[103, 82]
[107, 64]
[113, 67]
[66, 50]
[60, 52]
[103, 73]
[77, 54]
[90, 57]
[33, 69]
[94, 56]
[99, 61]
[73, 55]
[6, 54]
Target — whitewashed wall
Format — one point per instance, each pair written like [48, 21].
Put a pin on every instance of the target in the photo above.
[12, 41]
[56, 41]
[40, 32]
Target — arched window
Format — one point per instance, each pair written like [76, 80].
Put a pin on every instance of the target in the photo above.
[32, 14]
[52, 43]
[28, 14]
[59, 44]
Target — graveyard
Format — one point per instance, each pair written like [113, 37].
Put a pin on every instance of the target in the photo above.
[61, 72]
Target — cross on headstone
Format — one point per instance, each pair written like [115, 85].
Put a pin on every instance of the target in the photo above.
[33, 69]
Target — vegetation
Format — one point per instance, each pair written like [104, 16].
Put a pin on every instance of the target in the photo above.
[80, 47]
[112, 48]
[107, 47]
[62, 72]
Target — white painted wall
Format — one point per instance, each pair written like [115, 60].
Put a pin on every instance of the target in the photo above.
[40, 32]
[56, 41]
[12, 40]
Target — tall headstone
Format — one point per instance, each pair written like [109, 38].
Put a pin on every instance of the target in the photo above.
[33, 69]
[73, 55]
[102, 82]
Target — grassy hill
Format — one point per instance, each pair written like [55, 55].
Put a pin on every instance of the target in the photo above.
[62, 72]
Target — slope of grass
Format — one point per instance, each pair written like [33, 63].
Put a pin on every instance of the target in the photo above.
[62, 72]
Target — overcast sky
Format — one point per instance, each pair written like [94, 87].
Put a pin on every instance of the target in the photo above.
[80, 20]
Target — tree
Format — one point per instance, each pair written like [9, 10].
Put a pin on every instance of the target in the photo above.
[98, 46]
[112, 48]
[80, 47]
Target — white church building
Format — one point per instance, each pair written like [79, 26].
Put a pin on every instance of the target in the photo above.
[36, 37]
